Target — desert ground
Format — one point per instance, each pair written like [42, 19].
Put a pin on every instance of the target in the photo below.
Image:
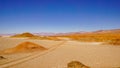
[59, 53]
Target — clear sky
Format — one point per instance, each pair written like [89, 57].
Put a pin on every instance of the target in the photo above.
[18, 16]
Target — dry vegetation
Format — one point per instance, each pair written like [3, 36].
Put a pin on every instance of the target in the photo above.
[95, 37]
[110, 38]
[45, 38]
[114, 42]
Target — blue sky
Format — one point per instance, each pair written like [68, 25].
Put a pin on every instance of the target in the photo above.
[18, 16]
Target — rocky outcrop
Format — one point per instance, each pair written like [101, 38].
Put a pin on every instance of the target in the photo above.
[76, 64]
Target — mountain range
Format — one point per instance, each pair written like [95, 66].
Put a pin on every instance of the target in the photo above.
[115, 31]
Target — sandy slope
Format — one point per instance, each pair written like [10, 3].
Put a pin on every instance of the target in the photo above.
[90, 54]
[6, 43]
[15, 43]
[24, 47]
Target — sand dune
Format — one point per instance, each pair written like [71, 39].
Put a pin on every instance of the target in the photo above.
[24, 47]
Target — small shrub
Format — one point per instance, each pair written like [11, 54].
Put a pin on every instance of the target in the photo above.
[114, 42]
[1, 57]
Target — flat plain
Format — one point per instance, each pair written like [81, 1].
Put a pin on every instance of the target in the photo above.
[59, 54]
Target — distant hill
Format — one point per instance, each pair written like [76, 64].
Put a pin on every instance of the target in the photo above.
[7, 35]
[45, 34]
[32, 36]
[112, 31]
[116, 31]
[27, 34]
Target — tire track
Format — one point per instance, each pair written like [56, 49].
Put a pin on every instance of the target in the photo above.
[24, 59]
